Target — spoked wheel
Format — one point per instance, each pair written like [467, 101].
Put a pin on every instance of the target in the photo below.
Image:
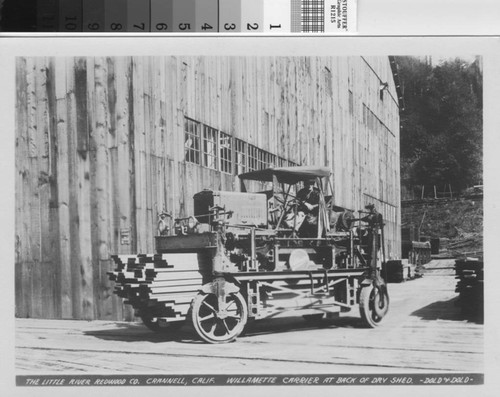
[154, 325]
[217, 324]
[373, 304]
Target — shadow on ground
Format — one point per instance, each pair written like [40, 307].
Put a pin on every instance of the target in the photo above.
[449, 310]
[134, 332]
[293, 324]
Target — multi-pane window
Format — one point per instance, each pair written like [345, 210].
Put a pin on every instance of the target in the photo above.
[210, 147]
[253, 158]
[217, 150]
[266, 159]
[271, 160]
[225, 150]
[262, 157]
[240, 151]
[285, 163]
[191, 141]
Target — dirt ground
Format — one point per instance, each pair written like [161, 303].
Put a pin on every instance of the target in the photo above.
[424, 331]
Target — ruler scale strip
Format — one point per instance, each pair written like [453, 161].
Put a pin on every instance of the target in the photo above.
[188, 16]
[138, 16]
[230, 16]
[161, 16]
[47, 15]
[252, 16]
[207, 16]
[70, 16]
[275, 20]
[115, 15]
[93, 16]
[184, 16]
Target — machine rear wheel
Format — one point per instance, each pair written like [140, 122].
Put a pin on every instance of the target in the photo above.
[215, 324]
[373, 304]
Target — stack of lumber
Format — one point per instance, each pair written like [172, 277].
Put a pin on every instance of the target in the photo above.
[469, 273]
[396, 271]
[420, 253]
[159, 285]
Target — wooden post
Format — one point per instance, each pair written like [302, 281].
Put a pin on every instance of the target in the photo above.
[83, 296]
[22, 192]
[64, 86]
[100, 190]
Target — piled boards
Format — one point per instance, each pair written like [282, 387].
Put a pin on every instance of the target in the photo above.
[396, 271]
[470, 275]
[159, 286]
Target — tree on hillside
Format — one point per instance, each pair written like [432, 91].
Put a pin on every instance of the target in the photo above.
[441, 134]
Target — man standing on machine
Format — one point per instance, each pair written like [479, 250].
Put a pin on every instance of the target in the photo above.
[309, 203]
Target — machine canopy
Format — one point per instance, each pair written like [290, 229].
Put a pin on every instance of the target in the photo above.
[288, 175]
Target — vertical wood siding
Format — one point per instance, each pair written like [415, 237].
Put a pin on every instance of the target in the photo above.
[100, 151]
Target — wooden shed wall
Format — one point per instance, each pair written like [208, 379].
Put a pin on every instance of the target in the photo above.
[100, 150]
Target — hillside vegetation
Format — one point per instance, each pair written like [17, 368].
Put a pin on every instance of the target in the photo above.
[457, 223]
[441, 123]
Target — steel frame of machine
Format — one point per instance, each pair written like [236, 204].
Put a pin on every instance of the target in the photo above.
[254, 271]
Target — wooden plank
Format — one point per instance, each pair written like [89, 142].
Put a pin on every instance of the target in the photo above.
[177, 297]
[52, 272]
[41, 166]
[64, 94]
[83, 278]
[139, 153]
[67, 149]
[32, 218]
[123, 171]
[95, 126]
[22, 190]
[177, 288]
[192, 279]
[112, 180]
[27, 275]
[150, 183]
[101, 194]
[172, 274]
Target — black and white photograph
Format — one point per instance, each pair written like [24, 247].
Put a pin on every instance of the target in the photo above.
[261, 215]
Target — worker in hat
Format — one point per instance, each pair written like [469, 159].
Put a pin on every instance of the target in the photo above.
[308, 198]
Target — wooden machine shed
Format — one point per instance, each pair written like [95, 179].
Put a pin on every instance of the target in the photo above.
[105, 143]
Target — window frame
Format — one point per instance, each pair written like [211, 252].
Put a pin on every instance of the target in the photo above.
[192, 153]
[210, 146]
[225, 153]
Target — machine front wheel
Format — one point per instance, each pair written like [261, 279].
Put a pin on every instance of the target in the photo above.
[216, 324]
[373, 304]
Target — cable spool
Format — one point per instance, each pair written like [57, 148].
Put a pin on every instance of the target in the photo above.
[345, 221]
